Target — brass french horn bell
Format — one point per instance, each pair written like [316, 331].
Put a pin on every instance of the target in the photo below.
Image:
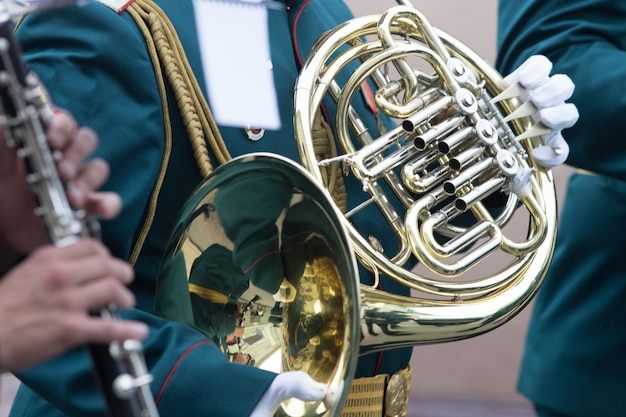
[451, 174]
[262, 234]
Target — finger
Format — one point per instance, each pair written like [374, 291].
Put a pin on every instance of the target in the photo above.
[93, 174]
[89, 261]
[551, 156]
[80, 249]
[106, 205]
[98, 330]
[559, 117]
[558, 89]
[532, 73]
[95, 295]
[60, 130]
[76, 152]
[89, 178]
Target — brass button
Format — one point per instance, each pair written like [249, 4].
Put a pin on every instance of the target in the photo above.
[397, 396]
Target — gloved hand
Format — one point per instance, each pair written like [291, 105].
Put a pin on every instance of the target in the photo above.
[294, 384]
[548, 94]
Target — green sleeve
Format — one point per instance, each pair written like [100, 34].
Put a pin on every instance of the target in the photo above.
[585, 39]
[191, 375]
[91, 65]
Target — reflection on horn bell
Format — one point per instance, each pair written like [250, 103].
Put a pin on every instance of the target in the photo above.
[450, 173]
[295, 257]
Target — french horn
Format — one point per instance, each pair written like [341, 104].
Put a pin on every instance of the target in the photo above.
[451, 172]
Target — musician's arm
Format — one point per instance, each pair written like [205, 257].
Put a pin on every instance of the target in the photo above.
[191, 376]
[592, 53]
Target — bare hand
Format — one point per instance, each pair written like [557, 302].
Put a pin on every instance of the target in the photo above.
[45, 303]
[20, 230]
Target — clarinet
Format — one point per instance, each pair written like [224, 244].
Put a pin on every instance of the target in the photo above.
[119, 368]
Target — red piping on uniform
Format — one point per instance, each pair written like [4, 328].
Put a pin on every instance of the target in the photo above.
[296, 49]
[265, 255]
[293, 33]
[368, 96]
[259, 259]
[171, 374]
[125, 6]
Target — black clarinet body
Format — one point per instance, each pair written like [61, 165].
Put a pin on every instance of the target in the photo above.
[119, 368]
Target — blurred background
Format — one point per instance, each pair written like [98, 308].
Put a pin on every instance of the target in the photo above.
[474, 377]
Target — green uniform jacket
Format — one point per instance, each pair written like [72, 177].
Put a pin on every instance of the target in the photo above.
[574, 360]
[95, 63]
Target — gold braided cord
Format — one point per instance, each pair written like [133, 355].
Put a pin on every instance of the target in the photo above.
[160, 36]
[197, 117]
[167, 146]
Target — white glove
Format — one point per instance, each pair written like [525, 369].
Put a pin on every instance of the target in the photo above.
[548, 94]
[294, 384]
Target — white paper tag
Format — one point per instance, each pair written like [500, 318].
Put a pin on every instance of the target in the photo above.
[235, 49]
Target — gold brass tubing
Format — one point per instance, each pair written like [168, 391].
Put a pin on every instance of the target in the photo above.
[479, 192]
[394, 220]
[429, 251]
[361, 73]
[537, 234]
[422, 184]
[381, 97]
[362, 157]
[466, 176]
[471, 258]
[410, 171]
[506, 213]
[398, 188]
[540, 222]
[508, 291]
[418, 321]
[326, 78]
[450, 143]
[403, 67]
[459, 161]
[430, 36]
[390, 161]
[413, 121]
[440, 288]
[437, 131]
